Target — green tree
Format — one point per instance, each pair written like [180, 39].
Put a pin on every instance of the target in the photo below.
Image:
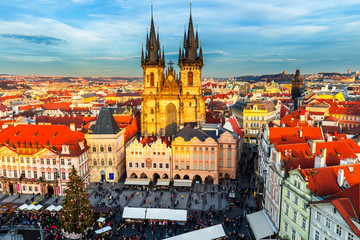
[76, 215]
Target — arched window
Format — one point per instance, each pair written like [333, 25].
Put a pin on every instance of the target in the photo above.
[110, 162]
[152, 111]
[94, 149]
[101, 148]
[95, 163]
[109, 149]
[190, 78]
[102, 162]
[189, 104]
[152, 81]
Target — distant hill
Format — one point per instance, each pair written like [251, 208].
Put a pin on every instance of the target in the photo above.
[267, 77]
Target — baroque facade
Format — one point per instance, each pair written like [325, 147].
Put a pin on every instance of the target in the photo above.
[170, 100]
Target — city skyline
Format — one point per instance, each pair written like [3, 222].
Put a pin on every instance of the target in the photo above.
[103, 38]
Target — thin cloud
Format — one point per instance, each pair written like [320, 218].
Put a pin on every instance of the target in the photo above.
[35, 39]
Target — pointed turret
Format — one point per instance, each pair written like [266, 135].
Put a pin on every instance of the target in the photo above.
[191, 45]
[153, 51]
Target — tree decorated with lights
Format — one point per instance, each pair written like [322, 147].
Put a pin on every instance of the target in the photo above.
[76, 215]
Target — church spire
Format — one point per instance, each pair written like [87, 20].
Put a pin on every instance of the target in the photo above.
[191, 44]
[153, 50]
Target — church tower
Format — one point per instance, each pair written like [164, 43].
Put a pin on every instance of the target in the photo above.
[191, 63]
[296, 87]
[171, 101]
[153, 64]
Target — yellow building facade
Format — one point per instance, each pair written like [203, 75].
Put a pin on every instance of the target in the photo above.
[170, 100]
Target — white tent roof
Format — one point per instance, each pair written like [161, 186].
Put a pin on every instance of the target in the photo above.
[58, 208]
[38, 207]
[50, 208]
[31, 207]
[182, 183]
[208, 233]
[103, 230]
[134, 213]
[163, 182]
[261, 225]
[101, 219]
[155, 214]
[24, 206]
[137, 181]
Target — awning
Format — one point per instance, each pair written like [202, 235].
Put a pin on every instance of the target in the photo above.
[182, 183]
[101, 220]
[261, 225]
[38, 207]
[30, 207]
[58, 208]
[163, 182]
[103, 230]
[134, 213]
[166, 214]
[50, 208]
[155, 214]
[24, 206]
[208, 233]
[137, 181]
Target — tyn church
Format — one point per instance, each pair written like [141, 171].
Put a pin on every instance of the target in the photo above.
[171, 101]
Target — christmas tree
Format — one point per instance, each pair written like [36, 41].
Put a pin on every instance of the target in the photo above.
[76, 215]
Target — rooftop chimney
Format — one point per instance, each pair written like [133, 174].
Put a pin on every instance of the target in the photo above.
[340, 177]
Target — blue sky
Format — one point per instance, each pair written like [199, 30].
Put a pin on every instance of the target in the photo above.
[104, 37]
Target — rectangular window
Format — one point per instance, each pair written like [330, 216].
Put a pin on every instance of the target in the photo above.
[187, 166]
[303, 223]
[206, 166]
[167, 165]
[327, 223]
[221, 154]
[296, 200]
[317, 235]
[142, 165]
[318, 216]
[63, 176]
[338, 230]
[15, 174]
[33, 160]
[200, 157]
[229, 154]
[212, 167]
[294, 216]
[229, 164]
[182, 166]
[62, 161]
[176, 166]
[220, 163]
[41, 160]
[154, 165]
[200, 166]
[350, 236]
[206, 157]
[36, 189]
[35, 174]
[24, 188]
[49, 176]
[43, 175]
[160, 165]
[54, 161]
[194, 166]
[55, 175]
[136, 165]
[29, 174]
[212, 157]
[304, 207]
[293, 235]
[287, 209]
[288, 194]
[130, 164]
[48, 161]
[286, 227]
[69, 161]
[4, 172]
[195, 157]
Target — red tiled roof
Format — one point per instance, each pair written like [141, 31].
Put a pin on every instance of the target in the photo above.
[56, 105]
[323, 181]
[43, 135]
[287, 135]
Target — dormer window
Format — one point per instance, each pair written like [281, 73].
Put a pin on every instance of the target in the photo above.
[81, 145]
[65, 149]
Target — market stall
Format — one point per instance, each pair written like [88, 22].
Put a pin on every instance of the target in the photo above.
[134, 214]
[210, 233]
[137, 183]
[163, 184]
[182, 184]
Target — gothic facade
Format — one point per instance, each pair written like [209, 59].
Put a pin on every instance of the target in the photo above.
[170, 101]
